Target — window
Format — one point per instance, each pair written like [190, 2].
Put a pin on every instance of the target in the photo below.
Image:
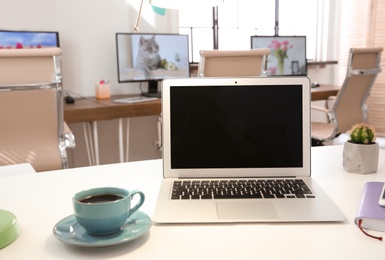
[239, 19]
[362, 25]
[354, 26]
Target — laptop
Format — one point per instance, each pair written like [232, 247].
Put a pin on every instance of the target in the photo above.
[247, 132]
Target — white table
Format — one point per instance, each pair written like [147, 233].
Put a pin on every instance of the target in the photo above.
[13, 169]
[40, 200]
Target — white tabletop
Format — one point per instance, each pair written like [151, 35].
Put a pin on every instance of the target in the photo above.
[14, 169]
[40, 200]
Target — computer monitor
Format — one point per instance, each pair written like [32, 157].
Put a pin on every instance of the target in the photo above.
[28, 39]
[152, 57]
[287, 57]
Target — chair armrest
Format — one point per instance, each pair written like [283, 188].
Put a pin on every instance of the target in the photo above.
[69, 138]
[330, 101]
[330, 115]
[317, 108]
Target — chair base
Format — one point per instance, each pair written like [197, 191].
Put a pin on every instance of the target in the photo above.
[316, 142]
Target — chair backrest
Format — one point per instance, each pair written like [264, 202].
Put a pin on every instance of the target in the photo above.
[31, 108]
[350, 104]
[222, 63]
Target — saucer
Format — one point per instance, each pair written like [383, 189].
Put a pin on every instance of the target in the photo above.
[69, 231]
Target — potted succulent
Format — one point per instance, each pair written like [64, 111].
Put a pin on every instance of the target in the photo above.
[360, 153]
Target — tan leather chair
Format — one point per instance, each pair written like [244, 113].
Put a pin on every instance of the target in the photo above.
[349, 106]
[31, 109]
[222, 63]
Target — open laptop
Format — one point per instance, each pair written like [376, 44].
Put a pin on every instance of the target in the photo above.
[247, 131]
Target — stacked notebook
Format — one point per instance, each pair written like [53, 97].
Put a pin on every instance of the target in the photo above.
[371, 214]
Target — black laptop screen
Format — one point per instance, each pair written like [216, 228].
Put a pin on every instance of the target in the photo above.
[236, 127]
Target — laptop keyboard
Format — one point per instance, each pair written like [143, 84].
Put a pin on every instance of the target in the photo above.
[240, 189]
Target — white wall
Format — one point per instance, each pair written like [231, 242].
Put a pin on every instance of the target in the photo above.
[87, 34]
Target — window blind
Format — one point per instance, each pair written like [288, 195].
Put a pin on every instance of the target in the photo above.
[362, 24]
[376, 100]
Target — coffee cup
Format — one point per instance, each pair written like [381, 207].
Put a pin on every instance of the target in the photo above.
[104, 210]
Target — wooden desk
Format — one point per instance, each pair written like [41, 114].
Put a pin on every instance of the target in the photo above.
[92, 109]
[324, 91]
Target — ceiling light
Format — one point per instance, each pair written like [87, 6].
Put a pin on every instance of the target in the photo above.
[181, 4]
[177, 4]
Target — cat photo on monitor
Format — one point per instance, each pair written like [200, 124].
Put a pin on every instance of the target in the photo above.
[148, 57]
[145, 56]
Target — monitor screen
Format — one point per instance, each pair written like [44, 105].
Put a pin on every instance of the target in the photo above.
[152, 57]
[28, 39]
[287, 57]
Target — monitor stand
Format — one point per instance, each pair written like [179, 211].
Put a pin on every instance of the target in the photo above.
[152, 89]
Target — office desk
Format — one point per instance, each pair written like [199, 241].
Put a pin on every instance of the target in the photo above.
[90, 110]
[324, 91]
[40, 200]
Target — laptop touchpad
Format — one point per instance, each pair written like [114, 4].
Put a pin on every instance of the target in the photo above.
[246, 210]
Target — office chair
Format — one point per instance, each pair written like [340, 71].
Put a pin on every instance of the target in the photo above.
[32, 129]
[348, 107]
[222, 63]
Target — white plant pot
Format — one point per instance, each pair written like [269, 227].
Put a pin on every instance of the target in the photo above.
[360, 158]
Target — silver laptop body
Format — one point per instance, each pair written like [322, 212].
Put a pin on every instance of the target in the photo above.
[255, 128]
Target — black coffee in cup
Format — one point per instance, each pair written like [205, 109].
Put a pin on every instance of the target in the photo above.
[101, 198]
[104, 210]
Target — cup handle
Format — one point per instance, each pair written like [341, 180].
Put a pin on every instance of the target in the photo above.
[140, 202]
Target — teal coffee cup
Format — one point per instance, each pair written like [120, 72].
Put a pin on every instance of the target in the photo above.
[103, 211]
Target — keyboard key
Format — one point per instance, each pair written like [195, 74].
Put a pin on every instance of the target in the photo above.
[206, 196]
[195, 197]
[175, 197]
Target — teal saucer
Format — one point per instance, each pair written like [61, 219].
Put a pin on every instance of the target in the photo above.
[69, 231]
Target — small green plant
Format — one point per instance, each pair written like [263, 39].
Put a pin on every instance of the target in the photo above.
[362, 133]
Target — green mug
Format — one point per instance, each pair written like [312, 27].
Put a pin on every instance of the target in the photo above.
[103, 211]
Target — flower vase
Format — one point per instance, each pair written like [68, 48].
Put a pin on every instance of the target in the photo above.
[281, 63]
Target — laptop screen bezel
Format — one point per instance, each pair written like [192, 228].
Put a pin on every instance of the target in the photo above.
[170, 172]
